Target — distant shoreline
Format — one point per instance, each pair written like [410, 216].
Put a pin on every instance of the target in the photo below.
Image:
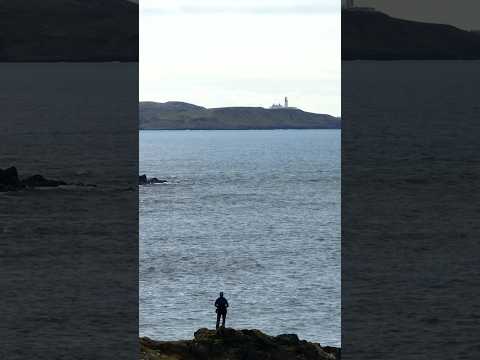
[375, 36]
[69, 31]
[277, 129]
[177, 115]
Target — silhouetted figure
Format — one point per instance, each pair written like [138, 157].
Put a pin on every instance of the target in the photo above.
[221, 304]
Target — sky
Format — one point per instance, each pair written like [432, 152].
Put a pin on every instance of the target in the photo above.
[218, 53]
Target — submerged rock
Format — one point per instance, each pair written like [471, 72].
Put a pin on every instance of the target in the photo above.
[144, 180]
[156, 181]
[236, 345]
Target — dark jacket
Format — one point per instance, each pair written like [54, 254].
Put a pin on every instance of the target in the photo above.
[221, 304]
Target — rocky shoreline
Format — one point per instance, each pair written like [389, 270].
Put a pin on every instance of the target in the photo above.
[236, 345]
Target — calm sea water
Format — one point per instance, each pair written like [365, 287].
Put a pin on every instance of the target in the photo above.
[69, 254]
[253, 213]
[410, 222]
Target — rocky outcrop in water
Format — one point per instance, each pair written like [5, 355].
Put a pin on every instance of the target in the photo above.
[144, 180]
[10, 181]
[236, 345]
[40, 181]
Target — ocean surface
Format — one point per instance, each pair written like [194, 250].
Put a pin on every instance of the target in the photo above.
[69, 255]
[255, 214]
[410, 210]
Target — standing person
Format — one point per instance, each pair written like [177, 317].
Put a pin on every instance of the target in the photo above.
[221, 305]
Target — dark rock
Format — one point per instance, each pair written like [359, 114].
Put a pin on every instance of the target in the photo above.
[156, 181]
[288, 339]
[235, 345]
[9, 180]
[143, 180]
[334, 351]
[9, 176]
[40, 181]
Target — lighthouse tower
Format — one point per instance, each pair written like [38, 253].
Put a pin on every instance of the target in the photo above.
[286, 102]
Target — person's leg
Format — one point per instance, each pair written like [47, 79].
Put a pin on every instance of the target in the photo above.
[218, 320]
[224, 315]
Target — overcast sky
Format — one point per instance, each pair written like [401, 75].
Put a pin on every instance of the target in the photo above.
[241, 53]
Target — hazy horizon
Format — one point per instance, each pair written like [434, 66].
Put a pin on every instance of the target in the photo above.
[227, 53]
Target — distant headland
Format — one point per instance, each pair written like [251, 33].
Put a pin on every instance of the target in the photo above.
[69, 31]
[371, 35]
[175, 115]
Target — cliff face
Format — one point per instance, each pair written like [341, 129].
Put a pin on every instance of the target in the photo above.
[236, 345]
[182, 116]
[68, 30]
[376, 36]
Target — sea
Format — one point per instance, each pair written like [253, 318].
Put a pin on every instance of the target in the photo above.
[69, 255]
[255, 214]
[410, 209]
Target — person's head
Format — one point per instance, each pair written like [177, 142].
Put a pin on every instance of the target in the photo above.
[221, 293]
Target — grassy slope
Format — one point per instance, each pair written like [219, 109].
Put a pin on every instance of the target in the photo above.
[187, 116]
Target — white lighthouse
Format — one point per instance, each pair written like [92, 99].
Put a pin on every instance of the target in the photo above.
[284, 106]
